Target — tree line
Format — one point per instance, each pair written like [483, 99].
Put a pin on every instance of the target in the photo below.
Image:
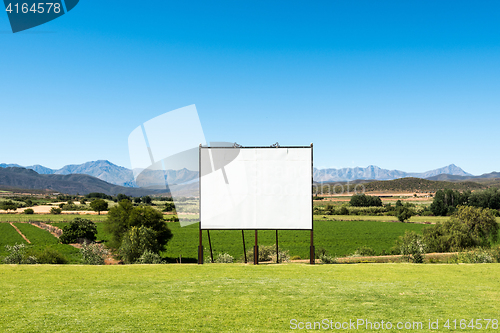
[445, 202]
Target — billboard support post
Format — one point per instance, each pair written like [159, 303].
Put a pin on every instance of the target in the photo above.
[277, 248]
[210, 244]
[244, 249]
[256, 250]
[312, 254]
[200, 251]
[200, 246]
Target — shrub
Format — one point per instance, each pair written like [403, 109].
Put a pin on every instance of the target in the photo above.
[295, 258]
[283, 256]
[78, 231]
[344, 210]
[326, 259]
[364, 251]
[50, 256]
[137, 241]
[55, 211]
[412, 247]
[476, 256]
[403, 213]
[268, 253]
[223, 258]
[29, 211]
[18, 255]
[92, 253]
[149, 257]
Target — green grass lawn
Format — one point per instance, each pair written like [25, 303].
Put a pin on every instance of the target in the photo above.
[41, 238]
[241, 298]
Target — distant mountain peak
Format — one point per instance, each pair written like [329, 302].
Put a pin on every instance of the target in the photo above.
[373, 172]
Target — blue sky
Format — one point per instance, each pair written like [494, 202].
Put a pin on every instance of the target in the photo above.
[408, 85]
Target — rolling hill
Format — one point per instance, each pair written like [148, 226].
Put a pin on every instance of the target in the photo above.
[14, 177]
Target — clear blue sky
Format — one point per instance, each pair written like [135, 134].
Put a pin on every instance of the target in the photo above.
[408, 85]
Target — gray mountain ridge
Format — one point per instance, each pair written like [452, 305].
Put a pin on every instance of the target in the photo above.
[121, 176]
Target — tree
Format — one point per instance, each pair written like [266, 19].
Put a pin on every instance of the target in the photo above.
[362, 200]
[122, 217]
[136, 241]
[79, 230]
[99, 206]
[147, 200]
[121, 197]
[445, 202]
[403, 213]
[489, 198]
[480, 222]
[29, 211]
[8, 205]
[137, 200]
[55, 211]
[169, 206]
[468, 227]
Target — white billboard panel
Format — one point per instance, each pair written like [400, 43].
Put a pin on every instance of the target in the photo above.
[260, 188]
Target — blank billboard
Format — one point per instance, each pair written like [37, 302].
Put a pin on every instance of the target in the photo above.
[256, 188]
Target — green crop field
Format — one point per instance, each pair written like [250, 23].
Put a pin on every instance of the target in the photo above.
[41, 238]
[337, 237]
[243, 298]
[9, 236]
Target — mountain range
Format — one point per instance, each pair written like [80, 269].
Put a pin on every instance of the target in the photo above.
[116, 175]
[373, 172]
[21, 178]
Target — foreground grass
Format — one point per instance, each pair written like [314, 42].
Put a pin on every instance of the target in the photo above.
[240, 298]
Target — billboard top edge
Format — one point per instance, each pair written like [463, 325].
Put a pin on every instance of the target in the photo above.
[257, 147]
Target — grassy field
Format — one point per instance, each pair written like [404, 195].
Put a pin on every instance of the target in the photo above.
[337, 237]
[40, 239]
[413, 219]
[9, 236]
[242, 298]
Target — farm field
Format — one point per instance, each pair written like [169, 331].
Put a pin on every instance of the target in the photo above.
[40, 239]
[242, 298]
[9, 236]
[47, 218]
[337, 237]
[413, 219]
